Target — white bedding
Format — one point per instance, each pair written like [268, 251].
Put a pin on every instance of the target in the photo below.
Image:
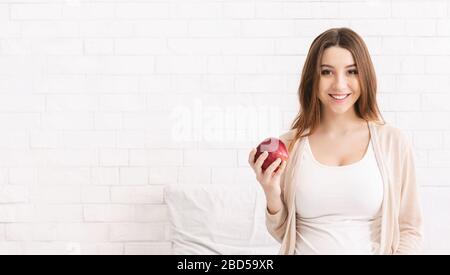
[218, 219]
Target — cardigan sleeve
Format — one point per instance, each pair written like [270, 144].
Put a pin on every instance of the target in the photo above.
[276, 222]
[410, 213]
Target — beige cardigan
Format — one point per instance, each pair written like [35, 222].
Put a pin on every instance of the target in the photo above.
[401, 227]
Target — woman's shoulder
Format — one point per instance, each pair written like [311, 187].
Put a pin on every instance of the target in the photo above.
[289, 138]
[288, 135]
[388, 133]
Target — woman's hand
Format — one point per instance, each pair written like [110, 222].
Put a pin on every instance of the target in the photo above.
[269, 179]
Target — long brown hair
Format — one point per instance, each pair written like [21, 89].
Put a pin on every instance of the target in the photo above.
[366, 106]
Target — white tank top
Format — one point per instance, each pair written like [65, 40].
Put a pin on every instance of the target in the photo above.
[338, 208]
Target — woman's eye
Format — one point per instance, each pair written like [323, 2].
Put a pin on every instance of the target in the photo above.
[328, 72]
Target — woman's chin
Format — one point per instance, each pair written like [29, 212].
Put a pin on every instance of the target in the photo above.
[339, 110]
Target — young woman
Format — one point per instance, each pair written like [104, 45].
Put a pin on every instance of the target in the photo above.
[349, 185]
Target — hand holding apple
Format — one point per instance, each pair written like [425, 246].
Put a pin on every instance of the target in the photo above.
[275, 149]
[268, 161]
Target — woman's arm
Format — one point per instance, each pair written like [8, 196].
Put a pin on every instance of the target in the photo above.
[276, 222]
[410, 212]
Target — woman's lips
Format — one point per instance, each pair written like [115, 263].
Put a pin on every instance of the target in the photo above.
[339, 98]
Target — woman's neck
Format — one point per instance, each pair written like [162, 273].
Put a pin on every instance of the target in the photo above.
[341, 124]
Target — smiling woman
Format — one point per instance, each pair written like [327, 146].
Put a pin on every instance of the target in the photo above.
[349, 185]
[338, 65]
[340, 84]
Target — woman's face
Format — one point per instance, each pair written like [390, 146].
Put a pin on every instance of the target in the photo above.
[338, 85]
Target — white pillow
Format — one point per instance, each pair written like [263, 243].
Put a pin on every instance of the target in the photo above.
[218, 219]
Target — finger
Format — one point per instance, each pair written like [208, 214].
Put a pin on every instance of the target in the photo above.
[259, 162]
[281, 169]
[272, 167]
[251, 157]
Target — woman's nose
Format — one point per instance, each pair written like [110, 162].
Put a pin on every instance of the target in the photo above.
[340, 82]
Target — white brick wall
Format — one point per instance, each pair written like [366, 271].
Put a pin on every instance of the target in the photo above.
[104, 102]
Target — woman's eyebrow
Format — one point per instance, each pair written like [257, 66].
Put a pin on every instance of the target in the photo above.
[326, 65]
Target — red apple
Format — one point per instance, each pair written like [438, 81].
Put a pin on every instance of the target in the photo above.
[276, 149]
